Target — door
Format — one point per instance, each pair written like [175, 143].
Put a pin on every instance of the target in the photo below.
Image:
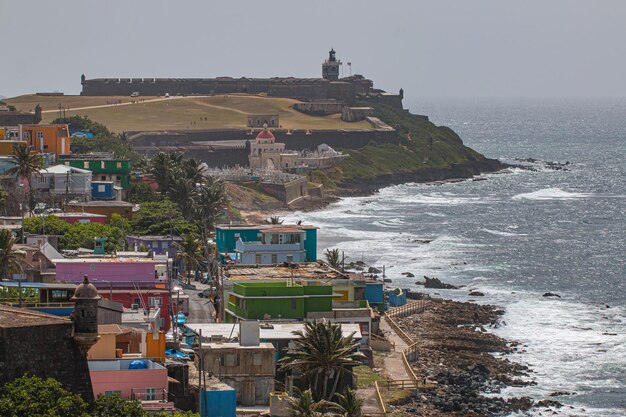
[248, 392]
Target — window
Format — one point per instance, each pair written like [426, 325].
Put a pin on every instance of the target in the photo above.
[26, 135]
[155, 244]
[274, 258]
[290, 258]
[40, 135]
[101, 188]
[92, 267]
[119, 165]
[257, 359]
[150, 394]
[154, 301]
[101, 164]
[161, 322]
[118, 178]
[258, 259]
[85, 164]
[294, 304]
[103, 177]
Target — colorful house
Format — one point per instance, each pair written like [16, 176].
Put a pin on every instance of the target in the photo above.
[105, 167]
[133, 379]
[61, 180]
[123, 342]
[112, 272]
[159, 245]
[277, 300]
[104, 191]
[42, 138]
[272, 243]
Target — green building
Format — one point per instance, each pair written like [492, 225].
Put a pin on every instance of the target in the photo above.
[276, 300]
[104, 167]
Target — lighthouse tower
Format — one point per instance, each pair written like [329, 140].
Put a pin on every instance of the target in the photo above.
[330, 67]
[86, 315]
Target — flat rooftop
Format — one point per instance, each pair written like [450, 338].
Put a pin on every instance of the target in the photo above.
[310, 270]
[117, 260]
[282, 331]
[230, 345]
[121, 365]
[263, 226]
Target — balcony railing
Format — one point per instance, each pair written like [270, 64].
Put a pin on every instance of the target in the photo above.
[140, 394]
[258, 246]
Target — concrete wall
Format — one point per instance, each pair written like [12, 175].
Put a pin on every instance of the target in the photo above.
[105, 273]
[289, 192]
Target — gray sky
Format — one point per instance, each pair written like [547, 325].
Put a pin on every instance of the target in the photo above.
[530, 48]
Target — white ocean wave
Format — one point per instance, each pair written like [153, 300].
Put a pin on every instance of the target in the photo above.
[551, 194]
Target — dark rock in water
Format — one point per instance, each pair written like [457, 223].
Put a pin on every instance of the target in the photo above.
[551, 294]
[387, 280]
[520, 404]
[476, 294]
[422, 240]
[561, 393]
[549, 403]
[372, 270]
[414, 295]
[436, 283]
[408, 275]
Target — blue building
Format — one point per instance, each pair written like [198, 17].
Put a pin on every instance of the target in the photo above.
[267, 244]
[218, 400]
[103, 190]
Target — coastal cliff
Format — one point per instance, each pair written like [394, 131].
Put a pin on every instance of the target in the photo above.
[424, 153]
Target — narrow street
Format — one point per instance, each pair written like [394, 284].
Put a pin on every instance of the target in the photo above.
[201, 310]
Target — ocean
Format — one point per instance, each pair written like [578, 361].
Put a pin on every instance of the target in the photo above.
[517, 235]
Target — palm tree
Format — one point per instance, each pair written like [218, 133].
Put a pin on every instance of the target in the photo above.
[26, 165]
[183, 192]
[348, 405]
[275, 220]
[333, 258]
[192, 169]
[303, 405]
[163, 167]
[191, 252]
[322, 355]
[10, 259]
[209, 202]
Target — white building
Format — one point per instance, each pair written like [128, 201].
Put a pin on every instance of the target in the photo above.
[266, 153]
[275, 245]
[59, 180]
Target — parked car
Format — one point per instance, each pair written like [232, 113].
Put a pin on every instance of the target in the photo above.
[207, 292]
[134, 94]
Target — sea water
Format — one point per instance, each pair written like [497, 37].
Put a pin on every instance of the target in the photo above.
[517, 235]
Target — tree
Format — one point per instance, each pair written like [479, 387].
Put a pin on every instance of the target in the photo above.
[183, 191]
[190, 250]
[348, 404]
[115, 406]
[160, 218]
[333, 258]
[51, 225]
[30, 396]
[275, 220]
[162, 168]
[82, 235]
[210, 200]
[26, 165]
[304, 405]
[10, 259]
[141, 193]
[323, 356]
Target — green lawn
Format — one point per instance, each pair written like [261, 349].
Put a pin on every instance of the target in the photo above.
[179, 113]
[365, 376]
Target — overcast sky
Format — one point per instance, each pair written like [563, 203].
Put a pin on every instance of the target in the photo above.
[438, 48]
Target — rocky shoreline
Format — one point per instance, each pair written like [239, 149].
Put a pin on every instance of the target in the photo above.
[468, 362]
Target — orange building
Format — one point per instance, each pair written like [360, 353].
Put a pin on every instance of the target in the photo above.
[53, 139]
[47, 138]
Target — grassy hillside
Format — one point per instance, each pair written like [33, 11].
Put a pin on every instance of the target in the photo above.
[177, 113]
[422, 147]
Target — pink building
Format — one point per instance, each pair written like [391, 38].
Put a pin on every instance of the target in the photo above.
[72, 218]
[142, 380]
[112, 272]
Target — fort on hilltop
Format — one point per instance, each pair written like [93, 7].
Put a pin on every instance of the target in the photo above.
[348, 90]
